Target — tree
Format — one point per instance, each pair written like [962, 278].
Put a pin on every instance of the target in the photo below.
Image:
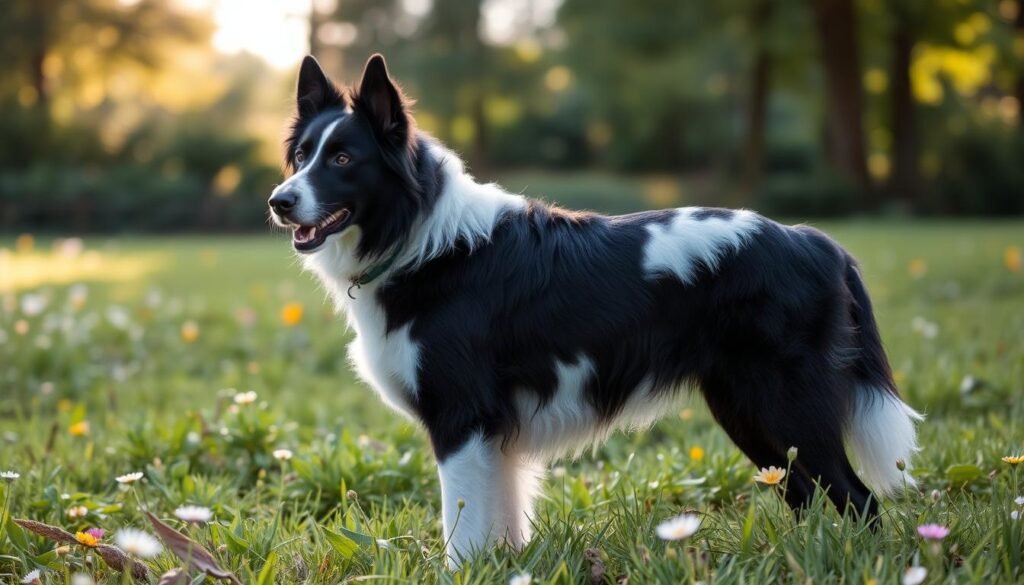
[37, 33]
[835, 21]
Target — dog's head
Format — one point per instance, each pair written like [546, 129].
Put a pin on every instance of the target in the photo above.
[352, 155]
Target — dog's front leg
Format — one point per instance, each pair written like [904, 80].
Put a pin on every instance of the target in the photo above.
[486, 498]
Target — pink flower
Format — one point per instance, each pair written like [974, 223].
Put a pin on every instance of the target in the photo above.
[933, 531]
[96, 533]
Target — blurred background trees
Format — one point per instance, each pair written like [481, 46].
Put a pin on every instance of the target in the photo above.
[128, 115]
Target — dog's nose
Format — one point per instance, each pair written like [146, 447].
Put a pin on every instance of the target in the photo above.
[284, 201]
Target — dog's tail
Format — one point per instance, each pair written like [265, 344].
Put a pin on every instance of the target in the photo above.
[881, 429]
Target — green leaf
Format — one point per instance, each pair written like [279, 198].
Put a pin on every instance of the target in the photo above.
[342, 544]
[17, 535]
[964, 474]
[748, 530]
[266, 576]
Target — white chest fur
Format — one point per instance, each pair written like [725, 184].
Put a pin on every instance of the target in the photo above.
[387, 361]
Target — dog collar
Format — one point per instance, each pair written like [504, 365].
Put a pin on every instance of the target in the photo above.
[373, 272]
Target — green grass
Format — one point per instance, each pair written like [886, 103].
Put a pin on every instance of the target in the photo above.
[158, 404]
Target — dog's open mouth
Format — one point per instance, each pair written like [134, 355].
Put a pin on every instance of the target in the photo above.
[306, 238]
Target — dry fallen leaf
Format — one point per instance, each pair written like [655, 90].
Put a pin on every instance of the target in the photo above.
[190, 551]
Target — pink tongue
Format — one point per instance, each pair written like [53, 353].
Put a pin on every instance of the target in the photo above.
[303, 234]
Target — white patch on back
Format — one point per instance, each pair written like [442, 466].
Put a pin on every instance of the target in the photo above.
[568, 422]
[679, 248]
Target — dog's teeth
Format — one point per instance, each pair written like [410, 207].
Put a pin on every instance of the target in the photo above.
[312, 232]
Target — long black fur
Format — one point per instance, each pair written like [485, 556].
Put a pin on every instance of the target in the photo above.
[778, 336]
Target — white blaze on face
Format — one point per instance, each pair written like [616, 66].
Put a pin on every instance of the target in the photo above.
[679, 248]
[307, 209]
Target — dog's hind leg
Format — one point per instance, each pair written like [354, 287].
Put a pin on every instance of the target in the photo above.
[789, 414]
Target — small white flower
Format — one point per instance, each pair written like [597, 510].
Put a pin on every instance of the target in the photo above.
[521, 579]
[915, 576]
[679, 527]
[9, 476]
[76, 512]
[245, 397]
[1019, 500]
[82, 579]
[33, 304]
[1015, 515]
[119, 317]
[282, 454]
[32, 577]
[138, 543]
[195, 514]
[129, 477]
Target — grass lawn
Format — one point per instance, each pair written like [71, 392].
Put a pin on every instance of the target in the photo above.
[130, 356]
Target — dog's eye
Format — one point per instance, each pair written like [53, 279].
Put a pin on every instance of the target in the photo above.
[300, 156]
[342, 159]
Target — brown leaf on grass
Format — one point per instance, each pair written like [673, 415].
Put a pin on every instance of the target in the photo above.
[190, 551]
[119, 561]
[593, 555]
[175, 576]
[45, 530]
[113, 556]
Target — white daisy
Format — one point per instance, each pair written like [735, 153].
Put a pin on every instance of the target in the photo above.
[9, 476]
[76, 512]
[82, 579]
[282, 454]
[195, 514]
[521, 579]
[31, 577]
[129, 477]
[1019, 500]
[679, 527]
[138, 543]
[245, 397]
[915, 576]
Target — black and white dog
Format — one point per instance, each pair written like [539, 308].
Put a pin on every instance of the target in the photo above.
[516, 332]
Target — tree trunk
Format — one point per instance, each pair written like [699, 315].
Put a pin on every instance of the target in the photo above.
[314, 28]
[753, 152]
[1019, 30]
[904, 184]
[837, 34]
[40, 35]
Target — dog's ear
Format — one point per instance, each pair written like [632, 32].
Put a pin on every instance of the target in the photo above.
[383, 102]
[315, 93]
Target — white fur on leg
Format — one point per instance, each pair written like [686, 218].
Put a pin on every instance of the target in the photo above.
[496, 490]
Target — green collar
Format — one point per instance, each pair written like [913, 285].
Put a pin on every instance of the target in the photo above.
[373, 272]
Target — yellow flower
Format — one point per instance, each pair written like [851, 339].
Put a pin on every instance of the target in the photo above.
[917, 268]
[189, 331]
[24, 243]
[696, 453]
[79, 429]
[291, 314]
[86, 539]
[770, 476]
[1012, 259]
[1013, 459]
